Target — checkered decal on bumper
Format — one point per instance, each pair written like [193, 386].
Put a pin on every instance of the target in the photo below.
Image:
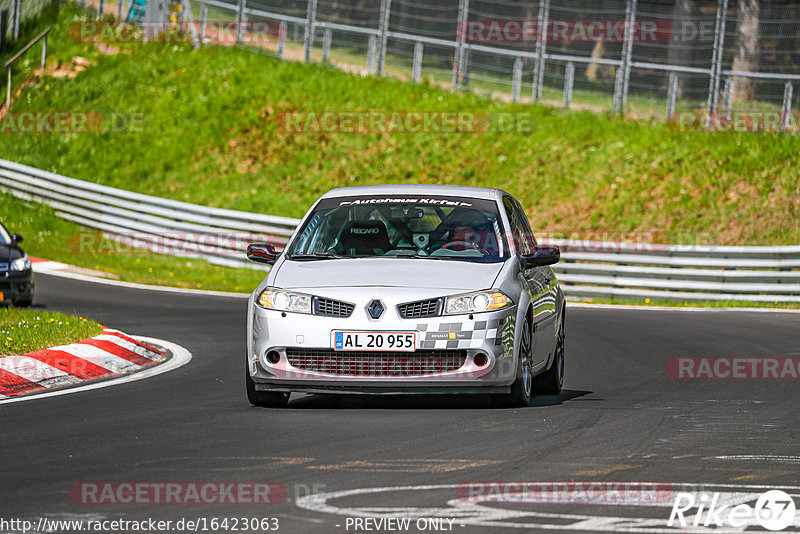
[464, 334]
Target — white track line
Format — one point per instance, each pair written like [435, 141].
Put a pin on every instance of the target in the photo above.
[180, 357]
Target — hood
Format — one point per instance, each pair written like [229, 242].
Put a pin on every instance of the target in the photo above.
[395, 272]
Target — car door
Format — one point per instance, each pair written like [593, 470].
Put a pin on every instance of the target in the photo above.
[531, 279]
[544, 303]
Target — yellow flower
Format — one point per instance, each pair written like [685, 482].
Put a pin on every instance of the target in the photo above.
[46, 87]
[149, 269]
[171, 274]
[647, 301]
[9, 339]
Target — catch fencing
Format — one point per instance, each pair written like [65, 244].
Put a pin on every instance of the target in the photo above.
[587, 270]
[640, 56]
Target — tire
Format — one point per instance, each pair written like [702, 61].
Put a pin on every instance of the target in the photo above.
[522, 388]
[264, 399]
[551, 381]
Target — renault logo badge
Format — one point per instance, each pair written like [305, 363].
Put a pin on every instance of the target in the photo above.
[375, 309]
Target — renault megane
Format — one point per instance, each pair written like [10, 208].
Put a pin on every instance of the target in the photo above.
[399, 289]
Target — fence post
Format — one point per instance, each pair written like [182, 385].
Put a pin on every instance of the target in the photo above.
[311, 16]
[119, 10]
[281, 39]
[624, 73]
[672, 94]
[17, 10]
[716, 61]
[326, 45]
[461, 35]
[188, 19]
[101, 9]
[569, 81]
[8, 89]
[383, 27]
[516, 80]
[203, 22]
[373, 43]
[240, 18]
[788, 89]
[416, 67]
[727, 90]
[44, 53]
[541, 49]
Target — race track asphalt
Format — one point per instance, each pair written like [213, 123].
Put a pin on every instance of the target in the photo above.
[620, 418]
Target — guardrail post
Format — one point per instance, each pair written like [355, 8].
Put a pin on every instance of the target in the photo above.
[203, 22]
[624, 73]
[383, 27]
[188, 19]
[516, 80]
[119, 10]
[569, 81]
[281, 39]
[373, 44]
[326, 45]
[416, 67]
[101, 9]
[716, 61]
[17, 15]
[311, 16]
[541, 49]
[672, 94]
[788, 89]
[240, 18]
[461, 36]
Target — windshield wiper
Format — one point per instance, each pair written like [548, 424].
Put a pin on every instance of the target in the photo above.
[414, 255]
[315, 256]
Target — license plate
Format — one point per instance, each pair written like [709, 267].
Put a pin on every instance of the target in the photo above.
[368, 340]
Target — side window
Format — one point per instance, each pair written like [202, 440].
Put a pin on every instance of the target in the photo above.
[513, 219]
[525, 227]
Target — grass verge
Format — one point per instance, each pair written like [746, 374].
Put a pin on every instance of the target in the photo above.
[26, 330]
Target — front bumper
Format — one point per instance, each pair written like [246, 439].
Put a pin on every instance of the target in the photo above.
[16, 285]
[487, 336]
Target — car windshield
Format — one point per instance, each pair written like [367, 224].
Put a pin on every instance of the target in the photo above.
[450, 228]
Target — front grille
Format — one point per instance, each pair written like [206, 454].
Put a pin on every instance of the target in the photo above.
[422, 308]
[332, 308]
[379, 363]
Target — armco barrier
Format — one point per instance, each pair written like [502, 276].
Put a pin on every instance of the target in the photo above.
[587, 269]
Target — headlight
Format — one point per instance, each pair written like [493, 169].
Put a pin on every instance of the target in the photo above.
[481, 301]
[21, 264]
[278, 299]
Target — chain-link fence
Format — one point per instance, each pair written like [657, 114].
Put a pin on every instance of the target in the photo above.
[650, 57]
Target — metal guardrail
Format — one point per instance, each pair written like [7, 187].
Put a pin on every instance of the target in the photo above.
[9, 65]
[587, 269]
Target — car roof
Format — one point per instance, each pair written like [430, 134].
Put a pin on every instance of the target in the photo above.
[418, 189]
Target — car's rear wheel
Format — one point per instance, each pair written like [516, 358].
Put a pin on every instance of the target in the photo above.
[551, 381]
[522, 387]
[264, 399]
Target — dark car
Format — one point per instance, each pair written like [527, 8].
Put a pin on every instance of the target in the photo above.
[16, 275]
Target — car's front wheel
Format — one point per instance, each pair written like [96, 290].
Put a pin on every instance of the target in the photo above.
[521, 389]
[264, 399]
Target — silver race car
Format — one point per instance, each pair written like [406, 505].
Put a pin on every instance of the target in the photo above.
[407, 289]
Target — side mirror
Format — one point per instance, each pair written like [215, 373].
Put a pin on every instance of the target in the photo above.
[262, 253]
[542, 256]
[16, 238]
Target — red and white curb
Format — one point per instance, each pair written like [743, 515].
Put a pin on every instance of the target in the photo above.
[110, 354]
